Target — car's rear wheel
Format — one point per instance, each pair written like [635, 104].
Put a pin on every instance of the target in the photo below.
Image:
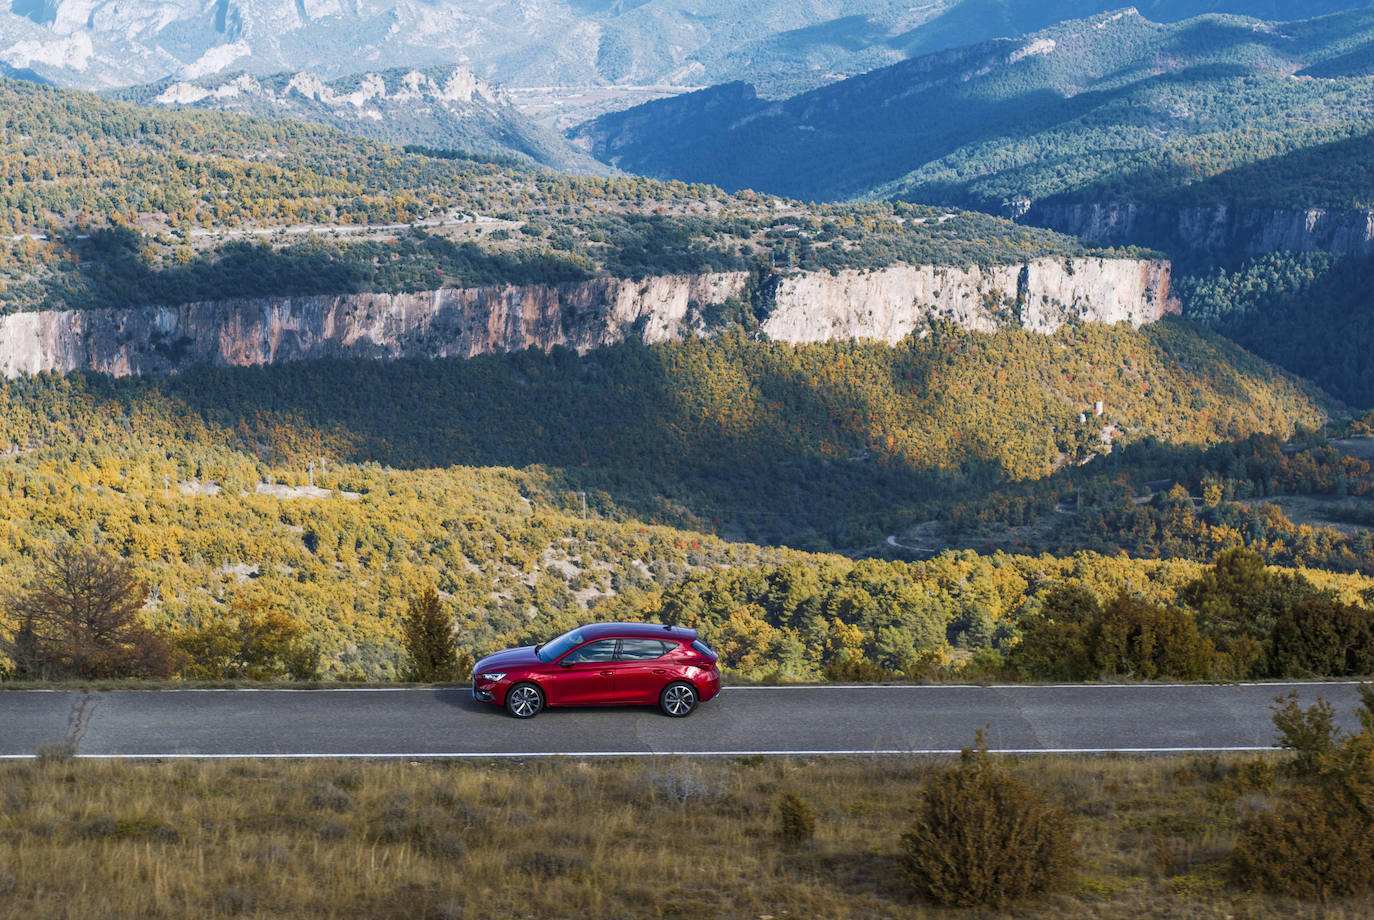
[678, 699]
[524, 701]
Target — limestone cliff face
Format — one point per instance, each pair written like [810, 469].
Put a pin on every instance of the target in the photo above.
[884, 305]
[1214, 229]
[1040, 295]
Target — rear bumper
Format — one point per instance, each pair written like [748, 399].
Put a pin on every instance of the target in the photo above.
[708, 685]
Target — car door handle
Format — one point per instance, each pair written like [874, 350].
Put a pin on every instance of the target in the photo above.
[660, 671]
[607, 673]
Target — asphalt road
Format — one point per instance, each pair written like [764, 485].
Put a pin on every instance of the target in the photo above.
[410, 723]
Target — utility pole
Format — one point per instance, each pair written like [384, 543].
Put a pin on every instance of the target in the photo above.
[323, 472]
[584, 503]
[166, 488]
[312, 474]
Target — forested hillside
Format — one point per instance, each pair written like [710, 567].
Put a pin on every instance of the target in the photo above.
[108, 204]
[1111, 105]
[333, 492]
[1312, 313]
[471, 474]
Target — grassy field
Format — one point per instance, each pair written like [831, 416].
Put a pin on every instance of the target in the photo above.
[652, 838]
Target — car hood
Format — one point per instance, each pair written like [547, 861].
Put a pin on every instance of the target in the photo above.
[522, 657]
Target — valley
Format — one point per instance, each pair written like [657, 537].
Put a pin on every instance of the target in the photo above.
[972, 376]
[730, 381]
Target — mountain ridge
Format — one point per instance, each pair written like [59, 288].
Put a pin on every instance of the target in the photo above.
[446, 108]
[1000, 125]
[784, 45]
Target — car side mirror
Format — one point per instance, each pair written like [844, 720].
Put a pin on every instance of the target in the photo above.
[565, 663]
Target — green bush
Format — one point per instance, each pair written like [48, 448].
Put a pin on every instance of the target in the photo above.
[1073, 637]
[1054, 641]
[796, 819]
[252, 640]
[1315, 843]
[1136, 638]
[984, 837]
[1319, 635]
[845, 668]
[1236, 604]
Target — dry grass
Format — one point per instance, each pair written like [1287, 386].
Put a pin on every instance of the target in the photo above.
[665, 838]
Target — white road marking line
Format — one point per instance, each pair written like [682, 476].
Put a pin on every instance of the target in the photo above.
[465, 687]
[517, 755]
[1086, 686]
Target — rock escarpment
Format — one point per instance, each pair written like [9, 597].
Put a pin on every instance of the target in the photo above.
[1211, 230]
[885, 305]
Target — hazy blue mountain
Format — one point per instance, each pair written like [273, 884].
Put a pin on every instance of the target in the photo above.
[782, 46]
[1114, 103]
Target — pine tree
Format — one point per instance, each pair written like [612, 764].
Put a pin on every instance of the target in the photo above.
[430, 643]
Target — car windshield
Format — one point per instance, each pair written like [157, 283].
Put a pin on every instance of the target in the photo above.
[550, 651]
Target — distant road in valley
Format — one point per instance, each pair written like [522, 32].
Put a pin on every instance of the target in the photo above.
[799, 721]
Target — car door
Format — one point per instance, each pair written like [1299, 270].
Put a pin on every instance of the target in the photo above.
[585, 676]
[642, 672]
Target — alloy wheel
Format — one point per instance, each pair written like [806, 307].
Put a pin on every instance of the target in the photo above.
[679, 700]
[524, 701]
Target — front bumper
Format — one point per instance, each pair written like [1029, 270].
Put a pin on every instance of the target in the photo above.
[481, 694]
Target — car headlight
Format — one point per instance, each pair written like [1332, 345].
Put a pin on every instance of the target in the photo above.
[492, 675]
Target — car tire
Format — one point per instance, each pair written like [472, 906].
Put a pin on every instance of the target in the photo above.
[524, 701]
[678, 699]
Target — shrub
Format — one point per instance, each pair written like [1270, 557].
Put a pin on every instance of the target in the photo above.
[1319, 635]
[1315, 844]
[252, 640]
[684, 781]
[847, 668]
[1136, 638]
[56, 752]
[984, 837]
[1310, 733]
[796, 819]
[1054, 641]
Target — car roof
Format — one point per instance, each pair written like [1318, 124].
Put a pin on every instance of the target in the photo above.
[637, 631]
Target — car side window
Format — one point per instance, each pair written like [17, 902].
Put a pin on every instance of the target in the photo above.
[592, 651]
[642, 649]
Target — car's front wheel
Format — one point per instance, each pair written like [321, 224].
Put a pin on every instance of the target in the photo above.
[678, 699]
[524, 701]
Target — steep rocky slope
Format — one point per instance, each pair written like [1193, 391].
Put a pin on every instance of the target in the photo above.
[1216, 229]
[886, 305]
[448, 108]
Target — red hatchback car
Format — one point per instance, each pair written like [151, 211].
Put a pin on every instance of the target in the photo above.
[604, 664]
